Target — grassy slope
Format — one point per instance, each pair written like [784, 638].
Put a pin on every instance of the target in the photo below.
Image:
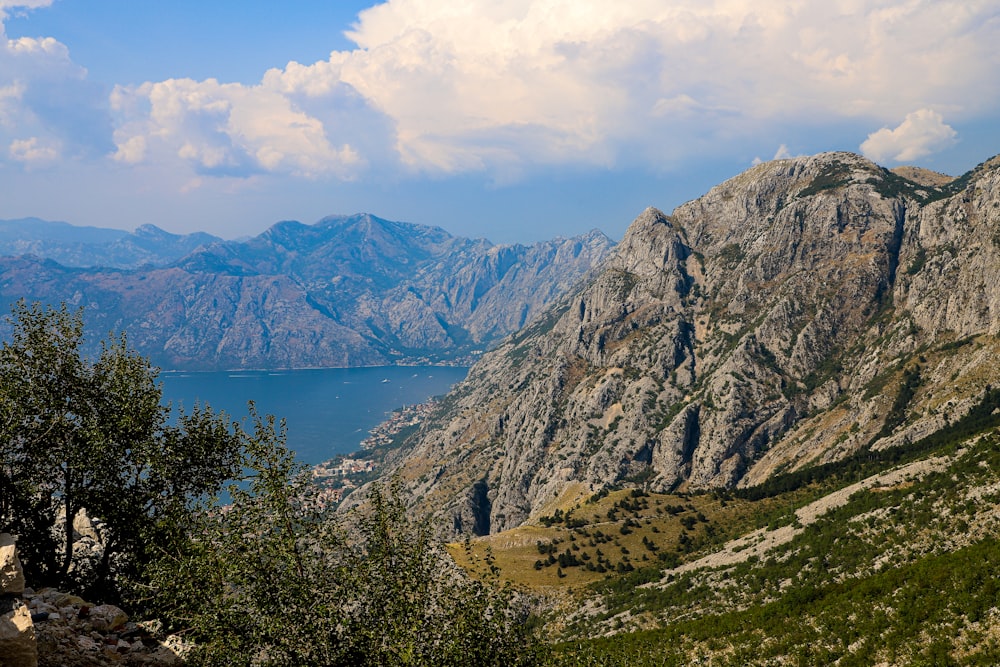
[901, 569]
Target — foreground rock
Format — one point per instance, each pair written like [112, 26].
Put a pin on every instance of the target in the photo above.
[17, 632]
[11, 574]
[17, 635]
[74, 633]
[50, 628]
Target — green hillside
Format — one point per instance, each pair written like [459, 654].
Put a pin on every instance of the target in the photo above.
[885, 559]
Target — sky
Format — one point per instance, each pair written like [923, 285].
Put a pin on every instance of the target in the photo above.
[513, 120]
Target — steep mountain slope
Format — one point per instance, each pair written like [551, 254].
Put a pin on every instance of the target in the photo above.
[347, 291]
[799, 312]
[874, 563]
[94, 246]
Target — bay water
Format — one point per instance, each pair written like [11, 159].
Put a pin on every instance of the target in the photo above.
[327, 411]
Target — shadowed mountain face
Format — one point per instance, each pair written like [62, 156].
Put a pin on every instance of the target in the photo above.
[794, 314]
[347, 291]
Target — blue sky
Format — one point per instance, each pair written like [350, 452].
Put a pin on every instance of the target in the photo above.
[515, 120]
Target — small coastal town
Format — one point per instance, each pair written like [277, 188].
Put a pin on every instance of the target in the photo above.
[342, 474]
[408, 415]
[343, 467]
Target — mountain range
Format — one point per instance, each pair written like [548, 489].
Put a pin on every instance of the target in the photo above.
[347, 291]
[762, 429]
[75, 246]
[804, 312]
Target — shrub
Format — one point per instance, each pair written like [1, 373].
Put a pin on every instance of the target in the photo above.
[276, 578]
[81, 435]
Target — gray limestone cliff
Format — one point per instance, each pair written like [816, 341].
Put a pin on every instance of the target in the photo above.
[794, 314]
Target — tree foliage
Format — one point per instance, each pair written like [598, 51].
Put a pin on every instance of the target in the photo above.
[274, 578]
[79, 435]
[271, 578]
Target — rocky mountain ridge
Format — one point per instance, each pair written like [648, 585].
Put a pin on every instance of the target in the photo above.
[348, 291]
[795, 314]
[84, 247]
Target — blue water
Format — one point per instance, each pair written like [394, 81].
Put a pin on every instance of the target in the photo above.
[327, 411]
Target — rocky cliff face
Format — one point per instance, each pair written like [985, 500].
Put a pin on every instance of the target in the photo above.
[347, 291]
[794, 314]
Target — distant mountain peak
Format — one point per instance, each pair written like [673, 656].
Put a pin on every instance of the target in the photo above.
[149, 229]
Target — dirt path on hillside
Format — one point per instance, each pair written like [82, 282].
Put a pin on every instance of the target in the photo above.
[763, 540]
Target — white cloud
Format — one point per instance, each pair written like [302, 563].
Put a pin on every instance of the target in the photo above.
[783, 153]
[131, 150]
[34, 151]
[921, 133]
[226, 129]
[571, 81]
[7, 5]
[503, 87]
[47, 98]
[10, 101]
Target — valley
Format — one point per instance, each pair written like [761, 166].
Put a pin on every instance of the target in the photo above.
[415, 333]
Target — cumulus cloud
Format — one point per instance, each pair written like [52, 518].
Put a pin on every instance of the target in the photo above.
[571, 81]
[921, 133]
[226, 129]
[497, 87]
[34, 151]
[783, 153]
[48, 108]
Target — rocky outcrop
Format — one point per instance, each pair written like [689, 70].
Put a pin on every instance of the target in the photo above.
[75, 633]
[796, 313]
[11, 574]
[347, 291]
[55, 629]
[17, 632]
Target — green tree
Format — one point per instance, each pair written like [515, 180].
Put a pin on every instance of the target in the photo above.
[78, 435]
[272, 578]
[276, 578]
